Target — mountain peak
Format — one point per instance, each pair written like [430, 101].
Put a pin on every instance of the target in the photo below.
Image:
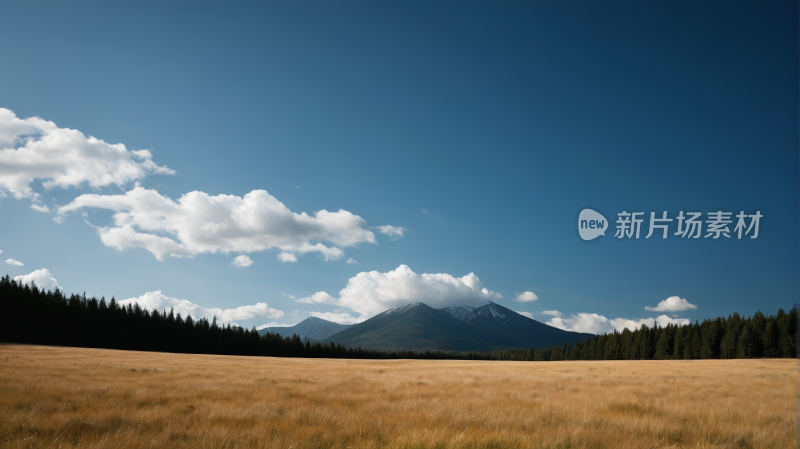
[404, 309]
[490, 310]
[311, 327]
[502, 320]
[420, 327]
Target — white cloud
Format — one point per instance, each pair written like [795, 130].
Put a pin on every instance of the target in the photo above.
[341, 318]
[594, 324]
[526, 297]
[327, 253]
[351, 260]
[527, 314]
[242, 261]
[34, 148]
[370, 293]
[1, 251]
[43, 278]
[273, 324]
[426, 212]
[672, 304]
[662, 320]
[16, 263]
[39, 208]
[318, 298]
[200, 223]
[583, 322]
[287, 257]
[392, 231]
[157, 301]
[287, 295]
[550, 313]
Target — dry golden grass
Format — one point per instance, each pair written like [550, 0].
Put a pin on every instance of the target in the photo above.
[71, 397]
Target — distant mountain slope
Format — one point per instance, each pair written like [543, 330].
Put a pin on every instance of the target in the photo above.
[310, 328]
[420, 327]
[501, 320]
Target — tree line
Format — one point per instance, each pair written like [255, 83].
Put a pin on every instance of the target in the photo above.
[29, 314]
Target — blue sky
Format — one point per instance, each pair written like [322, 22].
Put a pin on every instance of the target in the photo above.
[501, 121]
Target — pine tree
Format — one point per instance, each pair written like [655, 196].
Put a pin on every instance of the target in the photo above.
[662, 350]
[687, 351]
[696, 343]
[786, 341]
[678, 346]
[745, 343]
[770, 339]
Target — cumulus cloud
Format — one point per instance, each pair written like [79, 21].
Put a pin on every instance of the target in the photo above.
[370, 293]
[326, 253]
[551, 313]
[16, 263]
[527, 314]
[273, 324]
[318, 298]
[526, 297]
[157, 301]
[242, 261]
[39, 208]
[341, 318]
[287, 257]
[200, 223]
[662, 320]
[392, 231]
[34, 148]
[672, 304]
[594, 324]
[591, 323]
[43, 278]
[352, 261]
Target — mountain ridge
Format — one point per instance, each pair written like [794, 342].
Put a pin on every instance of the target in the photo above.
[417, 326]
[504, 321]
[311, 328]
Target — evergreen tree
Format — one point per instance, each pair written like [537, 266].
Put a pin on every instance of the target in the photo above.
[662, 350]
[696, 343]
[770, 339]
[745, 343]
[678, 346]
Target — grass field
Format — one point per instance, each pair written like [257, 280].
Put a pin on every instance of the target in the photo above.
[71, 397]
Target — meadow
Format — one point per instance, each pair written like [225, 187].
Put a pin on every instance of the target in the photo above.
[88, 398]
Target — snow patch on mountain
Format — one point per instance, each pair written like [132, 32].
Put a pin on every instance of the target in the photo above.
[405, 308]
[470, 313]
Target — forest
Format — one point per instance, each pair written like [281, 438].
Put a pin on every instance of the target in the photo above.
[31, 315]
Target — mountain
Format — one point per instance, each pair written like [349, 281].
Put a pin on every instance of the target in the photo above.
[310, 328]
[419, 327]
[503, 321]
